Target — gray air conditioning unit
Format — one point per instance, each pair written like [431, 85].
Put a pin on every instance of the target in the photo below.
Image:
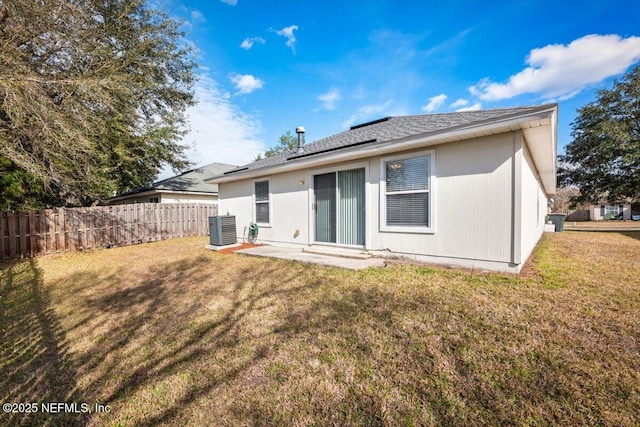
[222, 230]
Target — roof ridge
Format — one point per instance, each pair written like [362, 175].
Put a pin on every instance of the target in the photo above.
[525, 107]
[393, 128]
[390, 118]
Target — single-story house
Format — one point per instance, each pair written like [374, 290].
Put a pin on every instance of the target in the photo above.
[188, 187]
[605, 210]
[468, 189]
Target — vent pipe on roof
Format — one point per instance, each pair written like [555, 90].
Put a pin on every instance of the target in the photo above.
[300, 131]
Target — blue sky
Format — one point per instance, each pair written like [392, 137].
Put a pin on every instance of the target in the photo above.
[269, 66]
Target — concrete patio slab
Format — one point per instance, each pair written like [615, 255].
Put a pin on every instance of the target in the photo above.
[337, 252]
[221, 248]
[295, 254]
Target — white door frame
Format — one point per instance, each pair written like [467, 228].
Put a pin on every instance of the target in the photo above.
[312, 217]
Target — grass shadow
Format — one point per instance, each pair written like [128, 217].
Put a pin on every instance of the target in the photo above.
[146, 331]
[36, 366]
[632, 234]
[165, 334]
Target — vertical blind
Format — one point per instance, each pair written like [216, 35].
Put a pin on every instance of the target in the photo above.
[325, 191]
[340, 207]
[351, 206]
[407, 191]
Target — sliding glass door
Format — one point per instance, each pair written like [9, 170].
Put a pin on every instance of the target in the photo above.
[325, 189]
[339, 207]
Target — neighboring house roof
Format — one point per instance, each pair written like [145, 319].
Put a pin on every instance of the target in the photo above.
[400, 133]
[608, 203]
[191, 181]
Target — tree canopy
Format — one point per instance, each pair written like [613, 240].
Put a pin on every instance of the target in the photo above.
[287, 142]
[93, 96]
[603, 160]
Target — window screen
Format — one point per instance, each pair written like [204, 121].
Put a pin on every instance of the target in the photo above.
[408, 209]
[262, 201]
[262, 191]
[407, 192]
[408, 174]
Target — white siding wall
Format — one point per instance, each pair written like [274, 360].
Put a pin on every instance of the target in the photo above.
[235, 198]
[187, 198]
[472, 203]
[290, 210]
[170, 198]
[473, 207]
[289, 204]
[534, 205]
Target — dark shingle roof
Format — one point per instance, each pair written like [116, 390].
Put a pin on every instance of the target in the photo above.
[390, 129]
[192, 180]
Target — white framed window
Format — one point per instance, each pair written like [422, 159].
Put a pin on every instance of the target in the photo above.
[611, 211]
[406, 193]
[154, 199]
[262, 201]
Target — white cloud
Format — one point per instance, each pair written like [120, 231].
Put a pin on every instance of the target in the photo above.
[562, 71]
[366, 112]
[434, 103]
[250, 41]
[220, 131]
[246, 83]
[358, 93]
[288, 33]
[230, 2]
[330, 98]
[475, 107]
[197, 16]
[460, 102]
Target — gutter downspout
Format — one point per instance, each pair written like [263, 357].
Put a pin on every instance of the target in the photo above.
[516, 199]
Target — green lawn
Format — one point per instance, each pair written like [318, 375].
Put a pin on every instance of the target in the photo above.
[170, 334]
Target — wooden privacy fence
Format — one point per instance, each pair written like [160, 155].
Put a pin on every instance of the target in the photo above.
[27, 234]
[579, 215]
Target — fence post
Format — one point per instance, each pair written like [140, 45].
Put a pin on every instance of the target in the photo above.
[11, 227]
[21, 239]
[32, 234]
[102, 226]
[111, 237]
[139, 223]
[71, 231]
[60, 231]
[23, 226]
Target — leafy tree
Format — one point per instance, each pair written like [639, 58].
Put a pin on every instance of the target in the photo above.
[93, 96]
[563, 199]
[287, 142]
[603, 160]
[16, 186]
